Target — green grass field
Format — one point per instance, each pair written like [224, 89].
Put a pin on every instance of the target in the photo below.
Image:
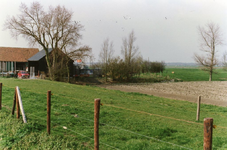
[128, 121]
[188, 74]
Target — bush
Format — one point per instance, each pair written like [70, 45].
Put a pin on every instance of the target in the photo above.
[153, 67]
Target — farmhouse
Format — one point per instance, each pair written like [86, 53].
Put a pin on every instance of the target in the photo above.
[12, 58]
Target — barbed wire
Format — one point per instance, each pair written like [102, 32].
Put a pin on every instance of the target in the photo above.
[190, 110]
[130, 132]
[35, 116]
[66, 128]
[118, 129]
[147, 113]
[136, 133]
[136, 111]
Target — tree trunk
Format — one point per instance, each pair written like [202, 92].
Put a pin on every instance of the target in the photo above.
[210, 78]
[48, 65]
[68, 75]
[68, 70]
[54, 61]
[106, 71]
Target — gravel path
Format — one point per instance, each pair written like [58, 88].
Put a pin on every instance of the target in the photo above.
[212, 92]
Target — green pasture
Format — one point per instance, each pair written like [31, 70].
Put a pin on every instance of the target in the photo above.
[186, 74]
[128, 121]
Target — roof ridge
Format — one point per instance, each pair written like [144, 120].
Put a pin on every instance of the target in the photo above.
[18, 47]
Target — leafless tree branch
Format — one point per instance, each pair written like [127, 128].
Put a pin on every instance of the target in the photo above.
[210, 39]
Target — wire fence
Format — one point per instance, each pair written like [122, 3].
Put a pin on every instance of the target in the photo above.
[65, 127]
[82, 100]
[85, 101]
[126, 130]
[79, 116]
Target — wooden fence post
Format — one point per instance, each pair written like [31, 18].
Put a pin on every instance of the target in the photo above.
[208, 128]
[96, 124]
[198, 108]
[20, 104]
[48, 110]
[14, 102]
[0, 96]
[18, 109]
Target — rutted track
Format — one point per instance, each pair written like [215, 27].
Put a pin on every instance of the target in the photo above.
[214, 92]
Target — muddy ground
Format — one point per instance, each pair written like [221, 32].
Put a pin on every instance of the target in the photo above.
[214, 92]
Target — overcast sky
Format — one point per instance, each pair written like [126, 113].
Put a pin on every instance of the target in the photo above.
[166, 30]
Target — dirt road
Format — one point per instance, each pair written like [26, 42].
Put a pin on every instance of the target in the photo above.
[214, 92]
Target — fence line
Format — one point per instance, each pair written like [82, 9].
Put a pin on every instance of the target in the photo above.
[142, 112]
[126, 131]
[216, 113]
[7, 107]
[145, 113]
[66, 128]
[137, 133]
[74, 131]
[36, 116]
[149, 137]
[92, 102]
[134, 111]
[154, 115]
[92, 139]
[130, 132]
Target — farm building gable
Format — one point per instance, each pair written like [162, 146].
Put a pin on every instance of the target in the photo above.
[39, 55]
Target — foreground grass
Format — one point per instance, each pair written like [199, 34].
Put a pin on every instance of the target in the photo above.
[186, 74]
[127, 120]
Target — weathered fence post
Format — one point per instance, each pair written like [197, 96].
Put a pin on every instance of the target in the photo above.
[17, 103]
[0, 96]
[21, 104]
[14, 102]
[48, 110]
[198, 108]
[208, 128]
[96, 124]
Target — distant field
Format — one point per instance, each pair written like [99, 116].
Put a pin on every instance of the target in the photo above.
[189, 74]
[196, 74]
[128, 121]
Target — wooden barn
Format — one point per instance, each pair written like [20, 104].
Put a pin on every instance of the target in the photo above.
[38, 64]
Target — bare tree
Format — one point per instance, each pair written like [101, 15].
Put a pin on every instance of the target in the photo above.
[106, 54]
[80, 53]
[210, 39]
[130, 53]
[52, 29]
[65, 58]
